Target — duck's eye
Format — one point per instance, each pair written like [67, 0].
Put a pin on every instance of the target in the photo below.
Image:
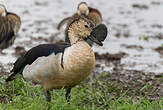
[86, 26]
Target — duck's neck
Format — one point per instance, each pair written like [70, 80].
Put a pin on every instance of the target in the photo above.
[79, 56]
[79, 50]
[74, 39]
[73, 35]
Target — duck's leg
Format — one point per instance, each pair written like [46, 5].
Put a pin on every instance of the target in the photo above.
[48, 96]
[68, 94]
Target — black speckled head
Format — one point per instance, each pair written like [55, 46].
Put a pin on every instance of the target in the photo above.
[81, 27]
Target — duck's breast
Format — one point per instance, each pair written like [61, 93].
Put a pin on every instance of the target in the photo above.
[79, 62]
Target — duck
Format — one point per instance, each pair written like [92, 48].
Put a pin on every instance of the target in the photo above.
[82, 10]
[10, 24]
[61, 65]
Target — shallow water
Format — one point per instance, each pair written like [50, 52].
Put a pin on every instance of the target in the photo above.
[133, 28]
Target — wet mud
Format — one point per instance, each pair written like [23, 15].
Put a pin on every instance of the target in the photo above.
[131, 55]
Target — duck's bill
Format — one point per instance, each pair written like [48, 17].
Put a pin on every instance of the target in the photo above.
[93, 39]
[99, 34]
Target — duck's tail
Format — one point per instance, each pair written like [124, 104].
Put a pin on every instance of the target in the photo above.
[11, 77]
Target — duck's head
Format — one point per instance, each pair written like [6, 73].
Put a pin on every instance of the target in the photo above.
[83, 9]
[3, 11]
[83, 29]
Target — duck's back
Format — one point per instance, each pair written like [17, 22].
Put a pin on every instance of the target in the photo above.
[15, 21]
[95, 16]
[9, 27]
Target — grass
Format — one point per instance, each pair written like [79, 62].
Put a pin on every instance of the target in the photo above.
[98, 94]
[146, 38]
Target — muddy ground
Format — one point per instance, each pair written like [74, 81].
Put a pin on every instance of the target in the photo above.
[131, 55]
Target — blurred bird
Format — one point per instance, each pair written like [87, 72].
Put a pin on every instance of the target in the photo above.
[9, 26]
[83, 10]
[61, 65]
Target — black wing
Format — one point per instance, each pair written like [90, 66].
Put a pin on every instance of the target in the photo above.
[34, 53]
